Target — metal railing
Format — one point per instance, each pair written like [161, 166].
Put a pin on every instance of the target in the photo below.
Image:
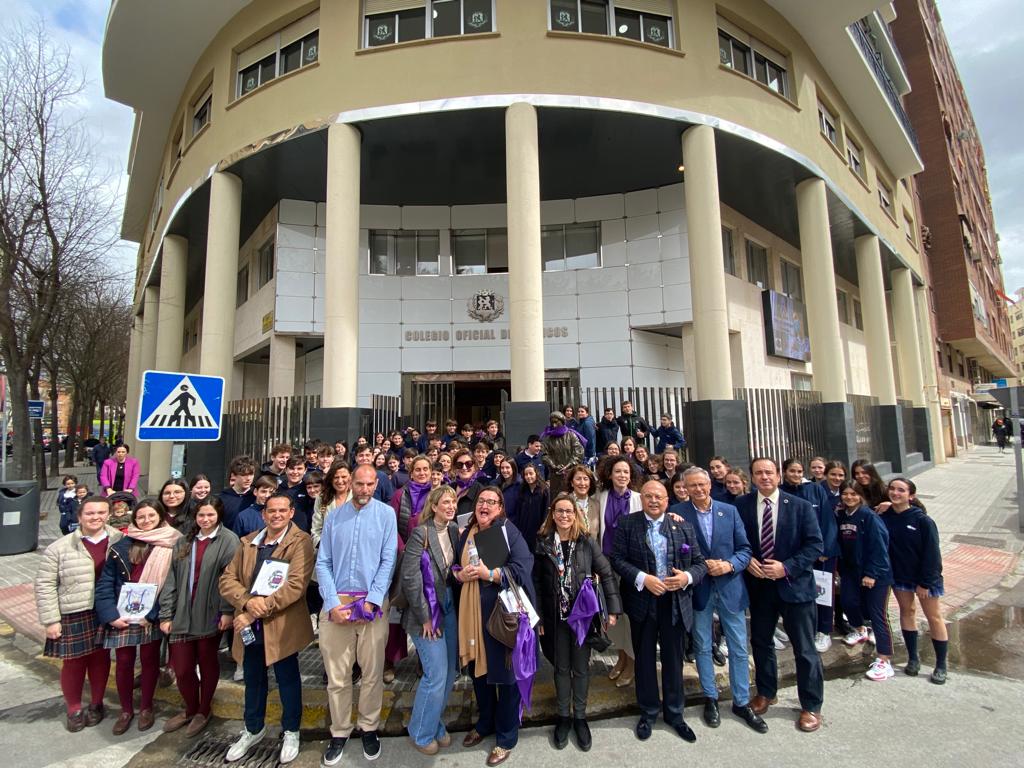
[252, 427]
[783, 423]
[874, 59]
[867, 427]
[386, 413]
[909, 432]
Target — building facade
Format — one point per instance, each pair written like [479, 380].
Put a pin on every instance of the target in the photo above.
[973, 343]
[1017, 332]
[353, 198]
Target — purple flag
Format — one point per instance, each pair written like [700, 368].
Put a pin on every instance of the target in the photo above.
[583, 611]
[429, 592]
[359, 609]
[524, 662]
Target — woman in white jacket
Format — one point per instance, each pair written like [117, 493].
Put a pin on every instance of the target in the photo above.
[65, 599]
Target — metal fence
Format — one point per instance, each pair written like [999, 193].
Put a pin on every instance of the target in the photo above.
[386, 413]
[649, 402]
[252, 427]
[783, 423]
[867, 427]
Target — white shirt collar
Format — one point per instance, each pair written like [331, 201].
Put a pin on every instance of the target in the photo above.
[97, 538]
[211, 535]
[774, 499]
[260, 539]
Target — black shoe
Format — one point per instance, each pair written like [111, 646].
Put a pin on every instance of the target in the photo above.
[583, 738]
[562, 732]
[332, 755]
[688, 656]
[717, 656]
[711, 716]
[751, 718]
[912, 668]
[685, 732]
[371, 745]
[938, 676]
[643, 729]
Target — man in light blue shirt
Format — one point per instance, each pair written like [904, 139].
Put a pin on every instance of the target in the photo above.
[358, 550]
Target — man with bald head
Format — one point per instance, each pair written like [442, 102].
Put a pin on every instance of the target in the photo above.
[659, 560]
[358, 550]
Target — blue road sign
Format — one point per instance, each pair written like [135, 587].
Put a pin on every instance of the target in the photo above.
[35, 409]
[180, 406]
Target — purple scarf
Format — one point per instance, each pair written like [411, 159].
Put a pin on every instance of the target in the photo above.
[583, 611]
[461, 486]
[559, 431]
[524, 663]
[429, 592]
[358, 607]
[418, 493]
[617, 506]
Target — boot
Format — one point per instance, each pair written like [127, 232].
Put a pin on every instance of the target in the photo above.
[562, 732]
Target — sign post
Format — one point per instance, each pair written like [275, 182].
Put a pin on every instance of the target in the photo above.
[1011, 398]
[36, 409]
[180, 406]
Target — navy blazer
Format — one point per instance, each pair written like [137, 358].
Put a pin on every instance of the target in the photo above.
[797, 545]
[631, 555]
[728, 542]
[819, 498]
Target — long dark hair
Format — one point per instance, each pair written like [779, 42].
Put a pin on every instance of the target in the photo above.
[914, 501]
[875, 491]
[193, 532]
[605, 472]
[540, 486]
[327, 492]
[503, 484]
[139, 549]
[854, 486]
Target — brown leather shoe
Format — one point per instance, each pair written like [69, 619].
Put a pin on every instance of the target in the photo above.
[498, 756]
[175, 723]
[199, 722]
[472, 739]
[94, 715]
[146, 719]
[809, 722]
[761, 703]
[75, 722]
[122, 723]
[445, 741]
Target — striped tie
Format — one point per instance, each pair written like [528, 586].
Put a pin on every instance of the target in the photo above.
[767, 532]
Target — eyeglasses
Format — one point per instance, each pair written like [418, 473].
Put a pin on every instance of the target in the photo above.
[563, 512]
[487, 502]
[464, 464]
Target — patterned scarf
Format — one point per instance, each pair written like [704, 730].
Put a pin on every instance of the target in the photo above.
[162, 541]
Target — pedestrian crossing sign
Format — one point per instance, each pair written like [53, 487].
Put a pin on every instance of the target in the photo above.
[180, 406]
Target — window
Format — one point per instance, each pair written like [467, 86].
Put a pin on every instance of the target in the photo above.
[827, 123]
[647, 21]
[178, 142]
[404, 252]
[858, 315]
[479, 251]
[792, 285]
[744, 53]
[844, 310]
[802, 382]
[885, 198]
[399, 21]
[294, 47]
[908, 228]
[242, 286]
[757, 266]
[855, 157]
[266, 263]
[201, 112]
[728, 253]
[570, 246]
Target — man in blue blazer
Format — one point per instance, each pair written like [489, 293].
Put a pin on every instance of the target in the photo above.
[659, 561]
[723, 542]
[786, 542]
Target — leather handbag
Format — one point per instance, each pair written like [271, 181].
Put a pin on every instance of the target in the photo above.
[503, 624]
[597, 638]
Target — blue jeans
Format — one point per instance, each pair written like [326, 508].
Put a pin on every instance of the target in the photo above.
[440, 668]
[734, 627]
[289, 686]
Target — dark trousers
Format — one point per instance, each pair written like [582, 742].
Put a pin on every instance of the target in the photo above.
[497, 710]
[826, 612]
[648, 635]
[289, 686]
[799, 620]
[870, 602]
[196, 690]
[572, 672]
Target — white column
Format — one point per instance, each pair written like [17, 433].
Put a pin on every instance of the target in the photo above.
[341, 313]
[525, 288]
[216, 356]
[150, 310]
[282, 366]
[170, 330]
[908, 351]
[931, 383]
[876, 320]
[819, 277]
[707, 268]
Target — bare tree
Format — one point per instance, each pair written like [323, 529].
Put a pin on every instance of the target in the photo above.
[56, 216]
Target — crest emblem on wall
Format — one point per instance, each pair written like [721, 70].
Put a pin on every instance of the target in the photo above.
[485, 306]
[565, 19]
[477, 19]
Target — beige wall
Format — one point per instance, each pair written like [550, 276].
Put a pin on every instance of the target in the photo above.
[521, 58]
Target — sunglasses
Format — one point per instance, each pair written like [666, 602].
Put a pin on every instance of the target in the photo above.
[464, 464]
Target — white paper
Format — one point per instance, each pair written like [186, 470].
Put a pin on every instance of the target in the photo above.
[135, 600]
[511, 603]
[823, 587]
[272, 576]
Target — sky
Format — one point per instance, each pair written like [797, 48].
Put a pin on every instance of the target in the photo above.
[986, 36]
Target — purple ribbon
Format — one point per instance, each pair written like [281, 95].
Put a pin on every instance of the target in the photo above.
[524, 663]
[429, 592]
[583, 611]
[358, 607]
[559, 431]
[616, 507]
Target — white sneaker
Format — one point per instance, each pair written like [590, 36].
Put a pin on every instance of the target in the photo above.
[822, 642]
[779, 633]
[243, 744]
[239, 675]
[880, 670]
[289, 746]
[856, 637]
[871, 636]
[723, 648]
[780, 639]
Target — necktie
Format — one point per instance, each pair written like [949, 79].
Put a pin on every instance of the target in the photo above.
[767, 532]
[656, 542]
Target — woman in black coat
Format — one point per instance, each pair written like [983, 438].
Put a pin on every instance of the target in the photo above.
[566, 558]
[531, 505]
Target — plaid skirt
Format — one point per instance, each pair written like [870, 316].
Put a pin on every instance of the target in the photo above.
[133, 634]
[80, 635]
[935, 591]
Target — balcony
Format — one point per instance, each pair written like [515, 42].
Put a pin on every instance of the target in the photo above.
[875, 62]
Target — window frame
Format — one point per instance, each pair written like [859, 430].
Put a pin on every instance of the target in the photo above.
[886, 200]
[788, 271]
[242, 285]
[843, 306]
[855, 158]
[858, 314]
[204, 102]
[612, 26]
[428, 26]
[593, 226]
[279, 43]
[769, 282]
[418, 235]
[486, 233]
[828, 124]
[755, 49]
[265, 267]
[729, 253]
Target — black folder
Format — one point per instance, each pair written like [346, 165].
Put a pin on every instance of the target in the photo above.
[492, 547]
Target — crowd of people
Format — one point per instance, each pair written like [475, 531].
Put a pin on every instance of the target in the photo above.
[593, 535]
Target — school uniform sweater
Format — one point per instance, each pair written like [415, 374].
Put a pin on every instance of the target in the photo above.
[864, 546]
[914, 548]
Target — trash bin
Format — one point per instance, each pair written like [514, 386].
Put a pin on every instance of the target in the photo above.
[19, 517]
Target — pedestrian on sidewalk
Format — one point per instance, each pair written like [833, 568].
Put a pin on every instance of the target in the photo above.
[1001, 430]
[270, 627]
[568, 564]
[193, 614]
[65, 599]
[67, 505]
[120, 472]
[143, 556]
[917, 572]
[865, 577]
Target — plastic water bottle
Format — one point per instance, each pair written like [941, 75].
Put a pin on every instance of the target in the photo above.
[474, 556]
[248, 636]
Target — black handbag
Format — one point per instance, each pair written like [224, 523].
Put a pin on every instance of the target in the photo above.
[597, 638]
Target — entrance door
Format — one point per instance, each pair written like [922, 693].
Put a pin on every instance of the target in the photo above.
[476, 402]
